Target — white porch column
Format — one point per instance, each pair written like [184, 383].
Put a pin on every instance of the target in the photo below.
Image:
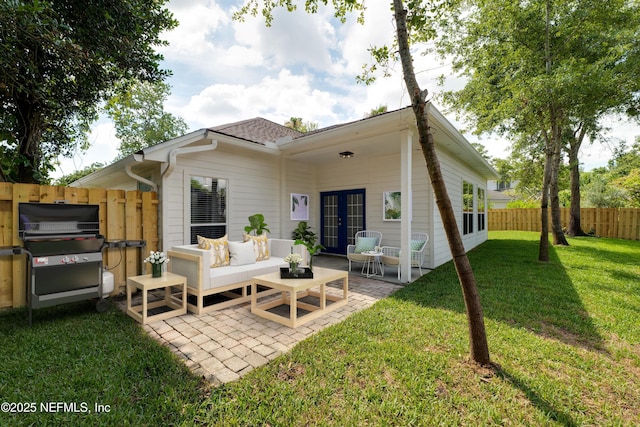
[406, 201]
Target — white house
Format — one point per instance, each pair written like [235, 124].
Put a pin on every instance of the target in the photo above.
[211, 180]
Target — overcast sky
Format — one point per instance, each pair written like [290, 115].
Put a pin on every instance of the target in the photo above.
[303, 66]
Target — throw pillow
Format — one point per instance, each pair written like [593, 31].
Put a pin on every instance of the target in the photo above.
[365, 244]
[260, 245]
[416, 245]
[219, 249]
[242, 253]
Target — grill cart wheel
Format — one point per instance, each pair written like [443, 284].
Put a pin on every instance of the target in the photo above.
[102, 306]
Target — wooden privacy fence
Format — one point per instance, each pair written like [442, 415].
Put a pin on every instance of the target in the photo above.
[124, 215]
[622, 223]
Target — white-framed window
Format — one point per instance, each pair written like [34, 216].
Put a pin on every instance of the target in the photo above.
[482, 218]
[208, 198]
[467, 207]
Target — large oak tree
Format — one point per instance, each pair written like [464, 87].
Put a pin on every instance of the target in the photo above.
[547, 71]
[58, 60]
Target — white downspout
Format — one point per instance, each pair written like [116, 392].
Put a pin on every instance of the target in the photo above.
[138, 158]
[171, 165]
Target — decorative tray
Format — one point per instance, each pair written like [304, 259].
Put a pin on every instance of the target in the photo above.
[303, 273]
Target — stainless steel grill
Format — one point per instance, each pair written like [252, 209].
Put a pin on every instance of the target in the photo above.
[66, 253]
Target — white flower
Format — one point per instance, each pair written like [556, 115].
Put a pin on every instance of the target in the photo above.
[293, 259]
[156, 258]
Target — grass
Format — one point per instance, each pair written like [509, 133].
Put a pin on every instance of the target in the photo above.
[74, 355]
[563, 338]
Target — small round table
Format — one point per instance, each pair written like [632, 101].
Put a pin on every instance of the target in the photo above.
[373, 266]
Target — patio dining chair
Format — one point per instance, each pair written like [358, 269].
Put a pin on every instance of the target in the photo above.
[391, 254]
[365, 240]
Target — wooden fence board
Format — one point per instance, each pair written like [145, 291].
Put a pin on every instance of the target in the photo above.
[6, 263]
[123, 215]
[134, 229]
[623, 223]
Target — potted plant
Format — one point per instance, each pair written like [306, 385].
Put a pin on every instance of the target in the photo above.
[304, 235]
[256, 225]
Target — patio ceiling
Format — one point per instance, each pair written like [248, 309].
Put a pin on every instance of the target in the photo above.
[372, 137]
[380, 136]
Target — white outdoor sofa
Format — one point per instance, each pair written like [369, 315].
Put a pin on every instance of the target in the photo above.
[220, 287]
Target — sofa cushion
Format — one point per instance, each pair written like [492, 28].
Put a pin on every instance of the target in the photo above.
[225, 276]
[219, 249]
[228, 275]
[241, 253]
[260, 245]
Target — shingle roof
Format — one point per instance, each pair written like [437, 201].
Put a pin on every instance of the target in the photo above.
[257, 130]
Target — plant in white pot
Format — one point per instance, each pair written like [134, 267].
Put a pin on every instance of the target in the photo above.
[304, 235]
[256, 225]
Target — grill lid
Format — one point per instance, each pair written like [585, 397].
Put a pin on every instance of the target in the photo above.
[60, 229]
[58, 220]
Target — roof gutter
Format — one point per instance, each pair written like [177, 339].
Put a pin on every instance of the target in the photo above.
[139, 157]
[173, 154]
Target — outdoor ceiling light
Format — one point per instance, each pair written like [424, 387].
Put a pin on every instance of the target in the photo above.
[346, 154]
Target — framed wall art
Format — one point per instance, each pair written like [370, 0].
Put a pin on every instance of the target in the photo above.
[392, 209]
[299, 207]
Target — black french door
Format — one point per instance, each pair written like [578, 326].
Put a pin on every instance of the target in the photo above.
[343, 214]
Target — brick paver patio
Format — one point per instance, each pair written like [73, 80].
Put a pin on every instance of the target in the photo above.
[224, 345]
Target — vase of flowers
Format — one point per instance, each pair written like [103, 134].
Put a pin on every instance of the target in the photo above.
[157, 260]
[294, 261]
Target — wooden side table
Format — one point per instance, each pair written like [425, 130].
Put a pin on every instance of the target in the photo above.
[146, 283]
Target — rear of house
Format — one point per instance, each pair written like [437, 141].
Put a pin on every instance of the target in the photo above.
[210, 181]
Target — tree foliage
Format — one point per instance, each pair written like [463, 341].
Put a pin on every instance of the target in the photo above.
[543, 69]
[139, 117]
[76, 175]
[618, 184]
[380, 109]
[300, 125]
[59, 59]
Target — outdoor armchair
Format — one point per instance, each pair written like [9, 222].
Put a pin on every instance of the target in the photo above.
[391, 254]
[365, 240]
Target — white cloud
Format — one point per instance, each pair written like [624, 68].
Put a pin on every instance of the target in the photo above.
[295, 38]
[275, 98]
[197, 22]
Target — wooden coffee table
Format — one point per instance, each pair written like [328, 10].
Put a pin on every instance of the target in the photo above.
[292, 290]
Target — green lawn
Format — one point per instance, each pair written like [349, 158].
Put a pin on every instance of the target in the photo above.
[563, 337]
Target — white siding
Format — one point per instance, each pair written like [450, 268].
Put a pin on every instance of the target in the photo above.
[262, 183]
[300, 178]
[253, 187]
[454, 172]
